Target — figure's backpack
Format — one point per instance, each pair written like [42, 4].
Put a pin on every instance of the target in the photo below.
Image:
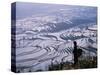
[79, 53]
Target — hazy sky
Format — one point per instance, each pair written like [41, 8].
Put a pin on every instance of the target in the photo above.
[24, 9]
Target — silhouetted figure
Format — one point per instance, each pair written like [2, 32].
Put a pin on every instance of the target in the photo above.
[75, 53]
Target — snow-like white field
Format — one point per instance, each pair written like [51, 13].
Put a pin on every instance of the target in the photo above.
[37, 51]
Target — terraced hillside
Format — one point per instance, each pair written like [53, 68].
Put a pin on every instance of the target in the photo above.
[37, 51]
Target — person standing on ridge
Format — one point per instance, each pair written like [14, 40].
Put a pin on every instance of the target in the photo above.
[75, 53]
